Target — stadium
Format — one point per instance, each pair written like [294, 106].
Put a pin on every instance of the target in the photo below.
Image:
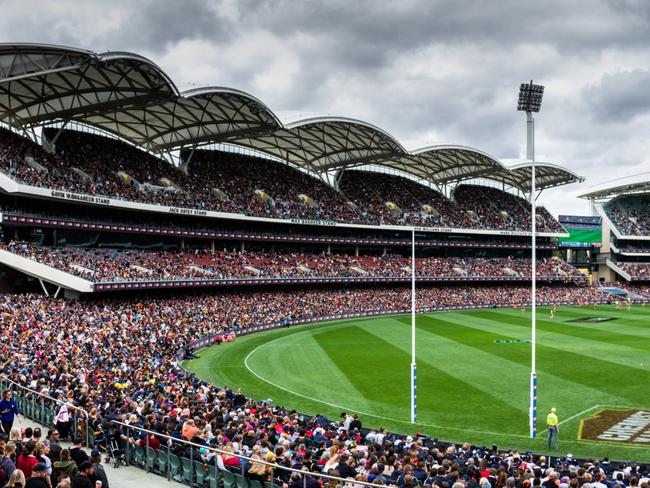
[213, 294]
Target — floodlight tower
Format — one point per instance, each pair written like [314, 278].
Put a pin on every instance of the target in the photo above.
[530, 100]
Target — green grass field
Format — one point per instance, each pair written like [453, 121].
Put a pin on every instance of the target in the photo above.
[472, 386]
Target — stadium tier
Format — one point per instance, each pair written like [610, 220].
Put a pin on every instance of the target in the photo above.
[625, 212]
[630, 214]
[114, 265]
[228, 182]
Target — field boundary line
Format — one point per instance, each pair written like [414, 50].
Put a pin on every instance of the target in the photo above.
[580, 413]
[343, 407]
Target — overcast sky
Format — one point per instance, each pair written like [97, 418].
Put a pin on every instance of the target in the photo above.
[429, 72]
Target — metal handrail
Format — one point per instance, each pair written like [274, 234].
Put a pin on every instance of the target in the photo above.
[86, 415]
[247, 458]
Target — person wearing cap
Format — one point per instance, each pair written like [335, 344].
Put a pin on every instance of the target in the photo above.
[85, 477]
[552, 427]
[39, 477]
[99, 472]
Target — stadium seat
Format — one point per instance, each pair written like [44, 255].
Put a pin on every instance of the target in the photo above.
[255, 484]
[241, 481]
[200, 473]
[150, 458]
[214, 476]
[138, 455]
[162, 461]
[188, 469]
[174, 465]
[228, 479]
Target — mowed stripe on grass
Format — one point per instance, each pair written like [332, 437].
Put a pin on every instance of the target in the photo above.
[469, 387]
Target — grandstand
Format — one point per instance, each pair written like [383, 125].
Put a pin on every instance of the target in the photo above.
[624, 206]
[127, 244]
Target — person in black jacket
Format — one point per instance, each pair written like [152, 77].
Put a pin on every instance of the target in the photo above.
[99, 473]
[77, 453]
[85, 477]
[346, 467]
[39, 477]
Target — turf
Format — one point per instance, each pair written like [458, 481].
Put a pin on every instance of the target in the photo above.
[473, 372]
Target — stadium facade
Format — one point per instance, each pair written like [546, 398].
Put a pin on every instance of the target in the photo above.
[313, 180]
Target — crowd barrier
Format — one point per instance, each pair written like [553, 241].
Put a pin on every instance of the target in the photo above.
[42, 409]
[63, 223]
[205, 471]
[192, 469]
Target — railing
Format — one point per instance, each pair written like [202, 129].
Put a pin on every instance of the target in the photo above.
[196, 472]
[41, 408]
[24, 218]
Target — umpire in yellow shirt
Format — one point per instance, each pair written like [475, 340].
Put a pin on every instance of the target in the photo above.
[552, 426]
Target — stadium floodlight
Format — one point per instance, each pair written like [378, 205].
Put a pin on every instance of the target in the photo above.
[530, 97]
[530, 100]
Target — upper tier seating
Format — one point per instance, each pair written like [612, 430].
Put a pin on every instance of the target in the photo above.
[630, 214]
[235, 183]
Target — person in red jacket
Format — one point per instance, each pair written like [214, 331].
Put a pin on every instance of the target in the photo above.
[26, 461]
[154, 443]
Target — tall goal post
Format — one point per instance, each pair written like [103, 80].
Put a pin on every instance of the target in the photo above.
[413, 365]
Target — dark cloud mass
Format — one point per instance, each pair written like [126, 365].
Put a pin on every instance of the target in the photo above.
[429, 72]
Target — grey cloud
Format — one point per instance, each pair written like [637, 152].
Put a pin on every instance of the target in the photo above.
[621, 96]
[426, 71]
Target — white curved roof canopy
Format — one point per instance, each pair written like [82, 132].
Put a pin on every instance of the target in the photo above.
[129, 96]
[326, 143]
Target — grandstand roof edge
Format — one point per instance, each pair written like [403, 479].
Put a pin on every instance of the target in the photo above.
[208, 90]
[315, 143]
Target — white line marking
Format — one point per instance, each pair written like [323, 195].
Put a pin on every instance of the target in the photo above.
[343, 407]
[579, 413]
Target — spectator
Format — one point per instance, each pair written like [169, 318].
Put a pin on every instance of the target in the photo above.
[65, 466]
[39, 477]
[77, 453]
[84, 479]
[98, 469]
[8, 410]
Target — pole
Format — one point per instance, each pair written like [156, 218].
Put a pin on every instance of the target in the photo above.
[530, 152]
[413, 367]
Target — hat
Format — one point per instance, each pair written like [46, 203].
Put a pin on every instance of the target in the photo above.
[553, 409]
[95, 452]
[39, 467]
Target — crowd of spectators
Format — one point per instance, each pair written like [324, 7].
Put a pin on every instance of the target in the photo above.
[229, 182]
[496, 209]
[631, 216]
[119, 360]
[638, 271]
[104, 264]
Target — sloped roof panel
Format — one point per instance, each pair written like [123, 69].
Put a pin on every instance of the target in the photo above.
[128, 95]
